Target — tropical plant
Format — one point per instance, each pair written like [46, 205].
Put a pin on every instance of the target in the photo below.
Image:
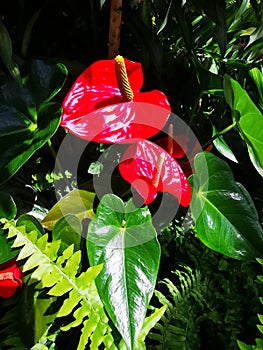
[90, 246]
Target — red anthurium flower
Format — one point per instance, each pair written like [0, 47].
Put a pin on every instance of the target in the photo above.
[177, 146]
[149, 168]
[10, 278]
[105, 104]
[177, 149]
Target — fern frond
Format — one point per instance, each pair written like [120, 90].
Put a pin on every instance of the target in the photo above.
[59, 276]
[178, 327]
[259, 341]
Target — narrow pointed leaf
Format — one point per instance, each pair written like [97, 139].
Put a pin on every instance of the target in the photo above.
[123, 238]
[222, 147]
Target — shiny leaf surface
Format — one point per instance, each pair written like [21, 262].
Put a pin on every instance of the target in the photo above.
[250, 122]
[27, 118]
[7, 206]
[77, 202]
[123, 239]
[139, 166]
[225, 216]
[222, 147]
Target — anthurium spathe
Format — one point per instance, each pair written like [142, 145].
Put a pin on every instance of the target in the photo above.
[105, 104]
[149, 168]
[10, 278]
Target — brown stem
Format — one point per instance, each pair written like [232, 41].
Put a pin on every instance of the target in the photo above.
[115, 28]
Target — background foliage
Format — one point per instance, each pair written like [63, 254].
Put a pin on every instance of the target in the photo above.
[207, 58]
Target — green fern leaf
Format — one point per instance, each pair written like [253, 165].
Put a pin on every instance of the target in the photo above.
[177, 328]
[57, 275]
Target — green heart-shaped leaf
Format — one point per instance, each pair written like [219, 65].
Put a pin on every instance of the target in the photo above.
[225, 216]
[123, 239]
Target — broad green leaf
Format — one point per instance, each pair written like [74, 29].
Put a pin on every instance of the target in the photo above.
[77, 202]
[222, 147]
[19, 143]
[225, 216]
[7, 206]
[148, 324]
[44, 80]
[123, 239]
[250, 121]
[27, 117]
[68, 229]
[31, 223]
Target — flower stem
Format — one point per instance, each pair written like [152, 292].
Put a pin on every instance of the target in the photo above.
[222, 132]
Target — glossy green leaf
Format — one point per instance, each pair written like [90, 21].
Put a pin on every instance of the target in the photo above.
[77, 202]
[222, 147]
[250, 120]
[44, 80]
[225, 216]
[27, 117]
[148, 324]
[123, 239]
[7, 206]
[20, 138]
[31, 224]
[68, 229]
